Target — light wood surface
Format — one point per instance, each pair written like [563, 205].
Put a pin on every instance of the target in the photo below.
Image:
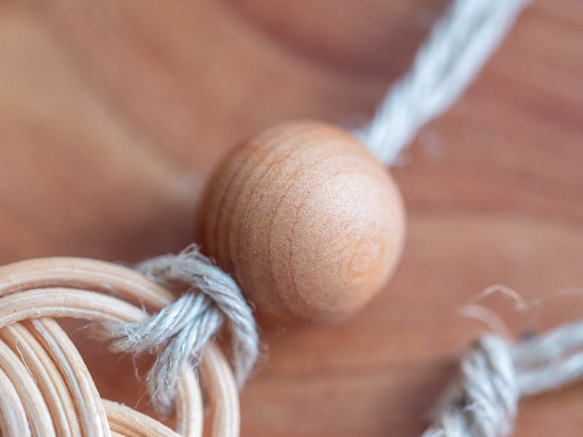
[113, 115]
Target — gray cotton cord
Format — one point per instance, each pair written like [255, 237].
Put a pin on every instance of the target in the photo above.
[182, 329]
[456, 49]
[495, 374]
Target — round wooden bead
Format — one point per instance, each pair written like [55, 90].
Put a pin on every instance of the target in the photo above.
[307, 221]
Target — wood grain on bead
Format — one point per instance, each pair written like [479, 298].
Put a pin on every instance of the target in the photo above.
[308, 222]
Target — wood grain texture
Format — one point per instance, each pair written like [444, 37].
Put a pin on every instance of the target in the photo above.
[114, 114]
[306, 220]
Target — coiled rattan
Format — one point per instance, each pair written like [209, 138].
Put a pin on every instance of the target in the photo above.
[45, 385]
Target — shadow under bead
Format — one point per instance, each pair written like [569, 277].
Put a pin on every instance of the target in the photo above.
[307, 221]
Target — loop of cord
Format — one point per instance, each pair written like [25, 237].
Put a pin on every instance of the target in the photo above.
[183, 328]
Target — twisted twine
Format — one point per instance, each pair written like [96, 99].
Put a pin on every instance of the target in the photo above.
[184, 327]
[458, 46]
[496, 374]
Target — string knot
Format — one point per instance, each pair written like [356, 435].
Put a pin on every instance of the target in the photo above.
[181, 330]
[495, 374]
[484, 401]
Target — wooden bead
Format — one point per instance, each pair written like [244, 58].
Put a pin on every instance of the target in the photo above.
[307, 221]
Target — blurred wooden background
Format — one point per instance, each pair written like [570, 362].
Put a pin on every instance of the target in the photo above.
[113, 114]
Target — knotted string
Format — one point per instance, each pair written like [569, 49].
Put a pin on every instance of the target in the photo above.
[495, 374]
[182, 329]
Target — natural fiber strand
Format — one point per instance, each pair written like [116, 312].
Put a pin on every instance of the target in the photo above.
[459, 45]
[495, 374]
[183, 328]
